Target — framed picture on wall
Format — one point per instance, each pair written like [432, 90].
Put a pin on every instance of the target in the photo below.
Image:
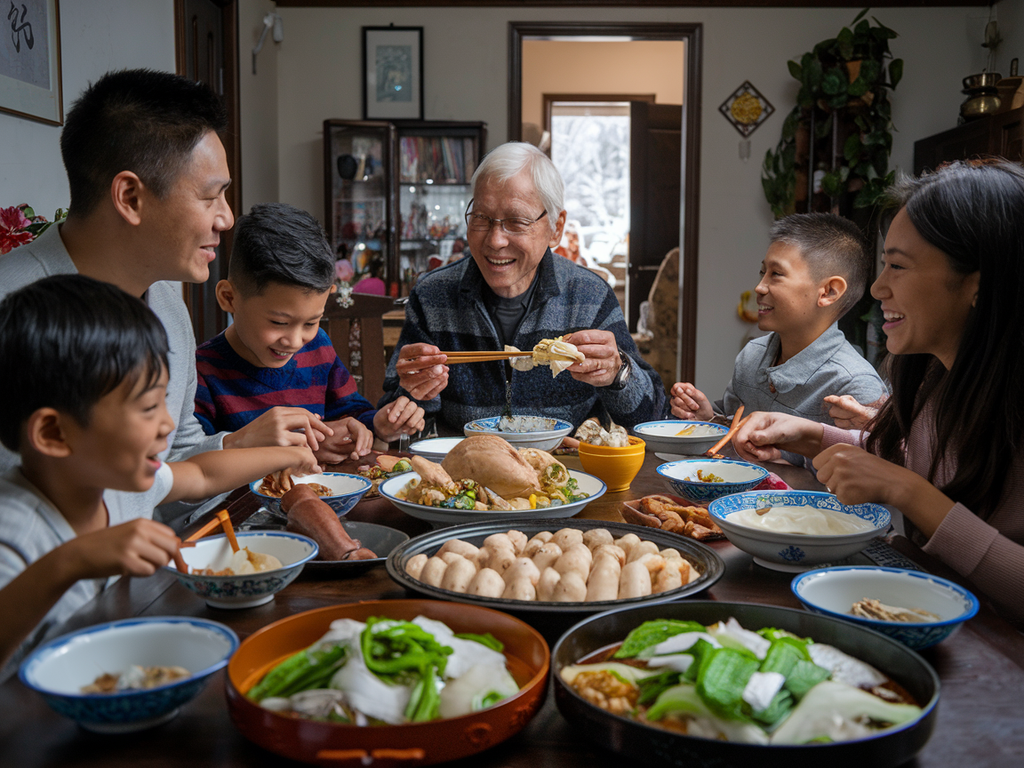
[30, 61]
[392, 73]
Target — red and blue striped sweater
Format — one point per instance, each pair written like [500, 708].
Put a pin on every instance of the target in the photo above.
[231, 391]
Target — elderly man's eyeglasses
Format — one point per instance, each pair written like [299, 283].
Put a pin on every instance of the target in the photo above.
[477, 222]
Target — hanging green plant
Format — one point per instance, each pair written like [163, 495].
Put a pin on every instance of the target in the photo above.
[843, 105]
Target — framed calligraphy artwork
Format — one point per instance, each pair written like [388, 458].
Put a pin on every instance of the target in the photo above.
[30, 83]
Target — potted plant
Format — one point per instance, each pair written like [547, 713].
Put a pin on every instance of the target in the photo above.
[839, 134]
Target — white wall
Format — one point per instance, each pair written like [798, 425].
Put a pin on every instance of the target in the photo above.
[466, 62]
[258, 102]
[96, 37]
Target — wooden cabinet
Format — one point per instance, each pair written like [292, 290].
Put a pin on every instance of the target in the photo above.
[999, 135]
[395, 193]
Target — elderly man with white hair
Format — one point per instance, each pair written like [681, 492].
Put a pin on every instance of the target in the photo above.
[515, 291]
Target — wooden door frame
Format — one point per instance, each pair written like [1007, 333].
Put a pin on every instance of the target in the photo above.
[689, 190]
[231, 137]
[548, 100]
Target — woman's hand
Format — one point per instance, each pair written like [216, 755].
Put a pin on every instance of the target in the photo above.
[858, 477]
[848, 413]
[765, 435]
[688, 402]
[421, 371]
[602, 357]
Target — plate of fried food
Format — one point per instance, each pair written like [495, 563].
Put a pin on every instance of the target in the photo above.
[674, 514]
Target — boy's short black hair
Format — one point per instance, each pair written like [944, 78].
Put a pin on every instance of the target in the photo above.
[68, 340]
[831, 245]
[279, 243]
[136, 120]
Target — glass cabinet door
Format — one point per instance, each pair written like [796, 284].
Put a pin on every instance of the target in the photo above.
[359, 195]
[435, 167]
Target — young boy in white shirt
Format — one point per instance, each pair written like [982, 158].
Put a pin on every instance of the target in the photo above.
[84, 393]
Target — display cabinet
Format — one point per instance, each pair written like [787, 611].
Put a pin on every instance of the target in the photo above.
[396, 192]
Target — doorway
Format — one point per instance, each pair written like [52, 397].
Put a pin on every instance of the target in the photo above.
[690, 36]
[206, 50]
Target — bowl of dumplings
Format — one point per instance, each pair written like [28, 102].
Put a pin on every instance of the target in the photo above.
[610, 454]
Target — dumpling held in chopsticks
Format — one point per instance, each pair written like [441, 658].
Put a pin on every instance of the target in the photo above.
[556, 353]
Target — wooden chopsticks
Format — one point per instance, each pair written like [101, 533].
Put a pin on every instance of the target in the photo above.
[221, 520]
[482, 356]
[737, 422]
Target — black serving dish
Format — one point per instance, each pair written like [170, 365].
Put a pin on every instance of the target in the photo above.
[630, 738]
[551, 619]
[380, 539]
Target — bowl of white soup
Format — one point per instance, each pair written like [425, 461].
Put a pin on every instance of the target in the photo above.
[793, 530]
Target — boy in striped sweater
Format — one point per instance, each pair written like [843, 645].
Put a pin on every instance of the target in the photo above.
[280, 276]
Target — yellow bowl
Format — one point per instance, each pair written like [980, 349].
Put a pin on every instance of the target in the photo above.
[615, 466]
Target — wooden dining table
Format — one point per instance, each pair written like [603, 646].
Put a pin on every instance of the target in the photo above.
[981, 667]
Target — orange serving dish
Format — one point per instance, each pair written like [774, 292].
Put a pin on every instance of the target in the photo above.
[337, 744]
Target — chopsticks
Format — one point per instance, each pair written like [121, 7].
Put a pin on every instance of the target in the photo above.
[221, 520]
[482, 356]
[179, 561]
[737, 422]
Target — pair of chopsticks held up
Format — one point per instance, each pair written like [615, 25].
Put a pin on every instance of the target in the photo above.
[483, 356]
[220, 520]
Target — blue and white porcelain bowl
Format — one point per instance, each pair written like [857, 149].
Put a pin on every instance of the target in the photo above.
[663, 436]
[248, 590]
[833, 591]
[346, 489]
[60, 668]
[539, 432]
[737, 476]
[796, 551]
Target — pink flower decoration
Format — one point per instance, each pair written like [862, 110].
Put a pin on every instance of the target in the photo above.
[343, 270]
[12, 229]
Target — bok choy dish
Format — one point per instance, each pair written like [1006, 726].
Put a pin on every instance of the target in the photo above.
[727, 682]
[388, 672]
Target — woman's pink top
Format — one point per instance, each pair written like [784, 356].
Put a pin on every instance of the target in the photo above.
[988, 553]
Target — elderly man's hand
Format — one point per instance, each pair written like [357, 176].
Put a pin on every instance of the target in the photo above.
[421, 371]
[602, 353]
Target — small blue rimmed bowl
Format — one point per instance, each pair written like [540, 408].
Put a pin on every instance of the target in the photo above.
[60, 668]
[691, 438]
[737, 476]
[541, 432]
[833, 591]
[346, 491]
[788, 550]
[251, 589]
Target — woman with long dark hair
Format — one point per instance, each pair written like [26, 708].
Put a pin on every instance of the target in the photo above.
[947, 448]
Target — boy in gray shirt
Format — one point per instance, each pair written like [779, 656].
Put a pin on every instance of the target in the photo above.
[815, 270]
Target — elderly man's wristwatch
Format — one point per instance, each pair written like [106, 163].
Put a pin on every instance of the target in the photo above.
[619, 382]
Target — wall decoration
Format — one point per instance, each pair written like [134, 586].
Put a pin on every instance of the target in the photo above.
[30, 84]
[392, 73]
[746, 109]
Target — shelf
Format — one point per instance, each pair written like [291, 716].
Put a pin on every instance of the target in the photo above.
[407, 182]
[399, 196]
